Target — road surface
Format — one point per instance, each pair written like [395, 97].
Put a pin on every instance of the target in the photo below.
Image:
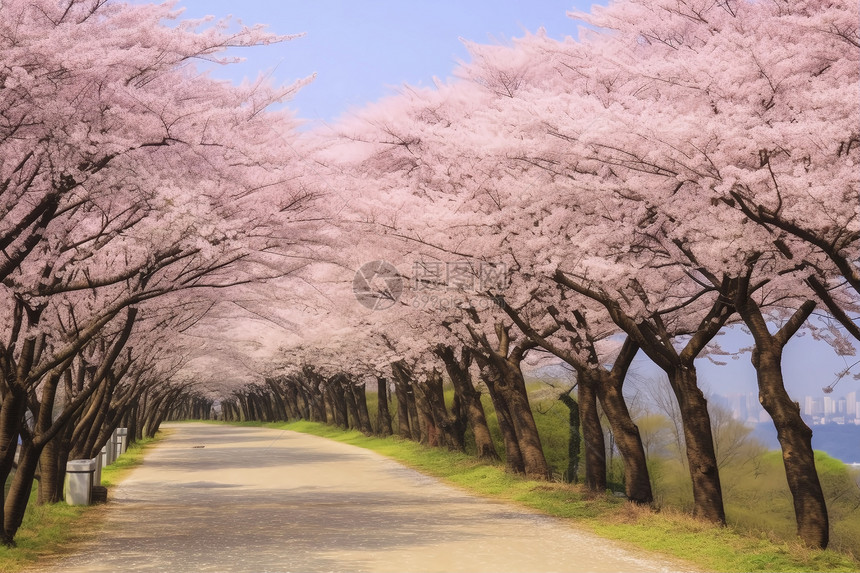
[252, 500]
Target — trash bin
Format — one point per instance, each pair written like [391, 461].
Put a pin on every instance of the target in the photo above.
[110, 446]
[121, 441]
[79, 481]
[97, 474]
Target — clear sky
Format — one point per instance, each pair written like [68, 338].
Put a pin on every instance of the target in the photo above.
[362, 50]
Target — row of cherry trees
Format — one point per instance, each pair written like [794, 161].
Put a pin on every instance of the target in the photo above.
[682, 167]
[134, 191]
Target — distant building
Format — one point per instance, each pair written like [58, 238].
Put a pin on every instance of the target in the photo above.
[851, 404]
[816, 410]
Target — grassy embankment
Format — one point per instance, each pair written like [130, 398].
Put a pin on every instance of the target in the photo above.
[758, 504]
[672, 533]
[49, 530]
[755, 490]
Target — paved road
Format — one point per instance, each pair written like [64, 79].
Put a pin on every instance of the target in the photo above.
[251, 500]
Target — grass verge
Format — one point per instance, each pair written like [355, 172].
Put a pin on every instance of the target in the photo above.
[49, 531]
[673, 534]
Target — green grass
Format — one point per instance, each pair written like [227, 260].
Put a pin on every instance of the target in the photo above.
[133, 457]
[670, 533]
[46, 530]
[49, 530]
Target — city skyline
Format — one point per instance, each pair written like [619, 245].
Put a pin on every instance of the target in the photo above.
[818, 410]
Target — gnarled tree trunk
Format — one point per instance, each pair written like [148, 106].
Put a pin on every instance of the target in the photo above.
[699, 443]
[470, 399]
[571, 475]
[383, 415]
[513, 455]
[360, 398]
[401, 390]
[637, 483]
[795, 437]
[592, 434]
[500, 365]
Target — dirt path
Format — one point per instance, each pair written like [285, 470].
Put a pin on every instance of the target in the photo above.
[232, 499]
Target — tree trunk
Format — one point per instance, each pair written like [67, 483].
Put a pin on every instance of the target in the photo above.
[19, 490]
[637, 482]
[245, 412]
[278, 397]
[64, 447]
[317, 400]
[360, 397]
[513, 456]
[49, 470]
[89, 426]
[795, 437]
[267, 400]
[459, 423]
[11, 418]
[524, 424]
[571, 475]
[312, 392]
[291, 400]
[699, 441]
[415, 422]
[129, 419]
[349, 400]
[484, 446]
[591, 371]
[417, 425]
[501, 364]
[404, 428]
[429, 431]
[652, 336]
[447, 423]
[383, 415]
[592, 435]
[470, 400]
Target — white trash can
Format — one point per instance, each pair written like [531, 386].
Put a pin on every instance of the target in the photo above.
[121, 441]
[97, 474]
[79, 481]
[111, 448]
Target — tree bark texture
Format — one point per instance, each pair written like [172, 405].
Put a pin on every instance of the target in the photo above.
[470, 400]
[383, 415]
[592, 435]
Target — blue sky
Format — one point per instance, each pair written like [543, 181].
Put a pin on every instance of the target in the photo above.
[364, 50]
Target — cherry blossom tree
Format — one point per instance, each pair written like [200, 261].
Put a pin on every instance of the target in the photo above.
[126, 175]
[753, 138]
[399, 153]
[661, 102]
[624, 127]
